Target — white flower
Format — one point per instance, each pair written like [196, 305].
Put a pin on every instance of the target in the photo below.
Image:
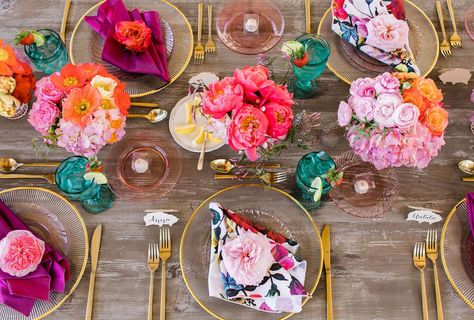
[106, 86]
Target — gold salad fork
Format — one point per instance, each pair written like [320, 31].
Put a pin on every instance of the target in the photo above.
[48, 177]
[153, 263]
[444, 47]
[165, 253]
[432, 253]
[419, 260]
[199, 49]
[455, 39]
[269, 177]
[210, 45]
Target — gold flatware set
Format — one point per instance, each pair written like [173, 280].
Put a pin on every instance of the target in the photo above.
[210, 47]
[94, 252]
[326, 238]
[268, 178]
[454, 40]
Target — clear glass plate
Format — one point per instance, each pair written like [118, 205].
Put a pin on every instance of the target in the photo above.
[469, 22]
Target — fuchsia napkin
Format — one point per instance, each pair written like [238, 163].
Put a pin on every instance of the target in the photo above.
[151, 61]
[20, 293]
[470, 210]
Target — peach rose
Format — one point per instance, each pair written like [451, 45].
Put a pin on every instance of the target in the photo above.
[413, 96]
[428, 89]
[436, 119]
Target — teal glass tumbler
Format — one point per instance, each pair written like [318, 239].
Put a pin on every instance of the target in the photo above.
[303, 82]
[102, 200]
[51, 56]
[70, 178]
[311, 167]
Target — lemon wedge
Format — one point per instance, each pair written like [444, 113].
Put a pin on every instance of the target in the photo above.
[200, 137]
[98, 177]
[185, 129]
[211, 138]
[188, 107]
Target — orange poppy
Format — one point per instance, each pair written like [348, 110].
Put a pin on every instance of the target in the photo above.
[25, 83]
[8, 62]
[69, 78]
[89, 70]
[122, 99]
[80, 104]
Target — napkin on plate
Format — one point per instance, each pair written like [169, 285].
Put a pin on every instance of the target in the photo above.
[377, 28]
[282, 287]
[470, 210]
[20, 293]
[150, 61]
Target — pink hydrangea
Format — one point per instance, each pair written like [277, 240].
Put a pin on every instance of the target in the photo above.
[42, 116]
[363, 107]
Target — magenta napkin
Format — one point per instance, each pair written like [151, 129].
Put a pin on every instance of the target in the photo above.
[151, 61]
[470, 210]
[20, 293]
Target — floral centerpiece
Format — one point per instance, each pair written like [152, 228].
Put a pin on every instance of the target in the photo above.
[81, 108]
[16, 83]
[394, 120]
[260, 110]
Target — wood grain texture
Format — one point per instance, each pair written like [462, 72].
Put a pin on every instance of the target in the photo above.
[373, 276]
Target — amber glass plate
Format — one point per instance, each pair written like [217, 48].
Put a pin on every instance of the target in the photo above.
[267, 206]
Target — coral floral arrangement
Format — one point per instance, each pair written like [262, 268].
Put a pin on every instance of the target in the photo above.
[394, 120]
[81, 108]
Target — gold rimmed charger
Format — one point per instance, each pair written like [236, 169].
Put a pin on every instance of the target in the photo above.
[271, 208]
[86, 46]
[453, 248]
[57, 222]
[349, 64]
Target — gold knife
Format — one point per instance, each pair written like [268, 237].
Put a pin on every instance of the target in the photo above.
[327, 266]
[62, 33]
[95, 246]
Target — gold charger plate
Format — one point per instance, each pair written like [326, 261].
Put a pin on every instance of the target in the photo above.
[60, 224]
[86, 46]
[270, 207]
[424, 43]
[455, 230]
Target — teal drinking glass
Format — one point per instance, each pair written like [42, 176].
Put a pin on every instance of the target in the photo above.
[51, 56]
[303, 82]
[102, 200]
[309, 178]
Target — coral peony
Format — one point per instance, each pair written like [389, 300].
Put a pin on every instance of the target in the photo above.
[280, 119]
[222, 97]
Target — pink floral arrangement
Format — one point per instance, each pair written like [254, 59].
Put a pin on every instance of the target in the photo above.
[260, 110]
[394, 120]
[81, 108]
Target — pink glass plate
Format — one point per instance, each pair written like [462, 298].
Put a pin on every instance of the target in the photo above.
[469, 22]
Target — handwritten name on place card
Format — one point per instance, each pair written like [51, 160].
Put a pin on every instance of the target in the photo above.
[424, 216]
[159, 218]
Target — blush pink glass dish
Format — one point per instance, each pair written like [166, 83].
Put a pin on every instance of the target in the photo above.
[469, 22]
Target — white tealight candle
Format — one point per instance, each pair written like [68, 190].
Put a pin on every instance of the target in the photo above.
[251, 25]
[140, 165]
[361, 186]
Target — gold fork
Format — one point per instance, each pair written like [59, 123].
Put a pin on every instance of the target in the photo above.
[269, 177]
[419, 260]
[199, 49]
[153, 263]
[444, 47]
[48, 177]
[210, 45]
[165, 253]
[432, 253]
[455, 39]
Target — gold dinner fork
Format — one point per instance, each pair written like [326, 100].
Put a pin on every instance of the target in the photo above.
[199, 49]
[432, 253]
[268, 178]
[455, 39]
[210, 45]
[444, 47]
[153, 263]
[165, 253]
[419, 260]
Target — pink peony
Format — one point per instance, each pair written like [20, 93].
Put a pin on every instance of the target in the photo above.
[280, 120]
[247, 131]
[344, 114]
[20, 253]
[42, 116]
[47, 91]
[363, 107]
[406, 116]
[223, 96]
[386, 83]
[385, 107]
[363, 87]
[248, 257]
[387, 33]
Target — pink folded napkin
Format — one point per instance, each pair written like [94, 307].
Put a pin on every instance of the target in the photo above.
[150, 61]
[470, 210]
[20, 293]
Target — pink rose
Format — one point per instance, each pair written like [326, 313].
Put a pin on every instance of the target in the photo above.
[42, 116]
[406, 115]
[385, 107]
[252, 79]
[363, 87]
[280, 120]
[46, 91]
[387, 33]
[223, 96]
[248, 257]
[363, 107]
[20, 253]
[344, 114]
[386, 83]
[247, 131]
[276, 93]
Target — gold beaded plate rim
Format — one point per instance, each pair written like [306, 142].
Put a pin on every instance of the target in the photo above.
[86, 241]
[416, 7]
[178, 74]
[196, 211]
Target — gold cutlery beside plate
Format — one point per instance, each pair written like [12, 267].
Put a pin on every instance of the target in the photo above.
[153, 262]
[326, 238]
[432, 253]
[419, 260]
[10, 164]
[48, 177]
[226, 166]
[199, 48]
[268, 178]
[444, 47]
[94, 252]
[455, 39]
[154, 116]
[210, 46]
[165, 254]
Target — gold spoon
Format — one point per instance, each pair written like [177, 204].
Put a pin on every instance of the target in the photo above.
[155, 115]
[10, 164]
[225, 165]
[48, 177]
[466, 166]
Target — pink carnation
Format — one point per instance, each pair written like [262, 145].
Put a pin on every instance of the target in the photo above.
[42, 116]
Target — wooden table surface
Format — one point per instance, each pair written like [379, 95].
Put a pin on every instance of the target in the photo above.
[373, 276]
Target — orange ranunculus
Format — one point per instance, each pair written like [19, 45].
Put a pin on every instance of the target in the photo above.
[25, 83]
[122, 99]
[69, 78]
[413, 96]
[436, 119]
[8, 62]
[134, 35]
[80, 104]
[428, 89]
[405, 76]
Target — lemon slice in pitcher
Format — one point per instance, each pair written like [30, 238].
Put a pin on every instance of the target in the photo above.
[317, 184]
[98, 177]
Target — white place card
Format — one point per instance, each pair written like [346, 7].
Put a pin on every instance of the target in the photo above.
[424, 216]
[159, 218]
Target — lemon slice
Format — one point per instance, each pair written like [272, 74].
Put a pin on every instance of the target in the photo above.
[98, 177]
[186, 129]
[188, 107]
[211, 138]
[200, 137]
[317, 184]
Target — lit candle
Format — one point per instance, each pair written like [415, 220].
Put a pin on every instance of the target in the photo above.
[361, 186]
[140, 165]
[251, 25]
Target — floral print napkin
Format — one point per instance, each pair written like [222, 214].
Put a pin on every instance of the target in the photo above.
[252, 266]
[377, 28]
